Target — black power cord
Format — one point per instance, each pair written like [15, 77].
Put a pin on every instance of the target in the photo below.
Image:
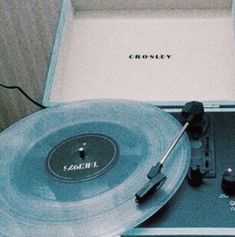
[24, 93]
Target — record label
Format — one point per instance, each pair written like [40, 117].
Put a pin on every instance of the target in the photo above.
[82, 157]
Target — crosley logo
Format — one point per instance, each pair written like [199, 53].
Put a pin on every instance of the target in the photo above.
[150, 56]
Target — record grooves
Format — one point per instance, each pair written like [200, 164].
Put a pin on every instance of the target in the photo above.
[129, 138]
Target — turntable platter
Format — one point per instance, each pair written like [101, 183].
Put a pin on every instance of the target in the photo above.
[74, 169]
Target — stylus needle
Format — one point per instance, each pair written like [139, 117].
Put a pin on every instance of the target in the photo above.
[192, 112]
[156, 178]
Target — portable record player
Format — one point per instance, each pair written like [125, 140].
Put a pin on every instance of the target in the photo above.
[165, 53]
[108, 55]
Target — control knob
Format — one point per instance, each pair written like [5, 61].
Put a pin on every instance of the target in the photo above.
[228, 182]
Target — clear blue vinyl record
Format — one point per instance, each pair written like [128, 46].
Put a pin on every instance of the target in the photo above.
[73, 169]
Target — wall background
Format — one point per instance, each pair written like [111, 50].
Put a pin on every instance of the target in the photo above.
[27, 30]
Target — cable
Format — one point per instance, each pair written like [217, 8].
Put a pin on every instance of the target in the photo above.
[24, 93]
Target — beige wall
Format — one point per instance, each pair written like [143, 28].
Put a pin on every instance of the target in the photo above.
[26, 36]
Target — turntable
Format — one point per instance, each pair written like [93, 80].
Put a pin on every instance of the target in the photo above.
[139, 135]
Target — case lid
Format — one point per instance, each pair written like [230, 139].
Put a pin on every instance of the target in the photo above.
[166, 54]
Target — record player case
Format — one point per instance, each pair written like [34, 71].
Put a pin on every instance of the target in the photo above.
[165, 53]
[120, 49]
